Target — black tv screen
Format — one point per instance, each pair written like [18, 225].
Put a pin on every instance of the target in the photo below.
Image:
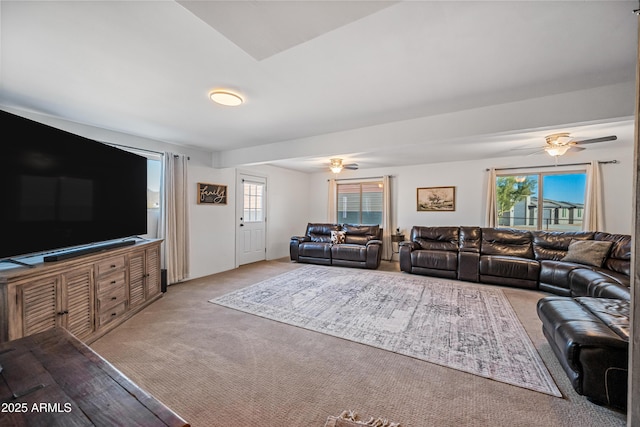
[59, 190]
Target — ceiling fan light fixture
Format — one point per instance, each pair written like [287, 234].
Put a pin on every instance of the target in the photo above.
[226, 98]
[336, 165]
[559, 139]
[556, 150]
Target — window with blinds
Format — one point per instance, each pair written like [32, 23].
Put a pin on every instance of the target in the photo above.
[360, 203]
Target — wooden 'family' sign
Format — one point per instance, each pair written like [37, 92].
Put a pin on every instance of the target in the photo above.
[212, 194]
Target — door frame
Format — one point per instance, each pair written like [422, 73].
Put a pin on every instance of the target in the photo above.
[240, 176]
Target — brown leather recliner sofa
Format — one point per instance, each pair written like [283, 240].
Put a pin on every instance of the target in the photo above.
[351, 246]
[586, 323]
[519, 258]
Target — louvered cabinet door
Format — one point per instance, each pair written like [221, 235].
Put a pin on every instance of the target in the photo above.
[40, 305]
[152, 267]
[136, 278]
[78, 302]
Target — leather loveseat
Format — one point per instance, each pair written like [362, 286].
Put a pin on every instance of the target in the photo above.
[346, 245]
[586, 323]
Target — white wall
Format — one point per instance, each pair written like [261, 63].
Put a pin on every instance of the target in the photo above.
[288, 207]
[470, 180]
[211, 227]
[212, 242]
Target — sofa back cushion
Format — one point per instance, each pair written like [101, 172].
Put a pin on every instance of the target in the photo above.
[619, 259]
[361, 234]
[507, 242]
[470, 239]
[318, 232]
[553, 245]
[436, 238]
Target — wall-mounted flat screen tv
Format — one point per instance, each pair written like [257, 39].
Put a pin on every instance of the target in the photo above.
[61, 190]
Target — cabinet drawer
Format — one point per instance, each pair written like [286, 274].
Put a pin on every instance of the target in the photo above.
[110, 265]
[107, 300]
[108, 284]
[111, 314]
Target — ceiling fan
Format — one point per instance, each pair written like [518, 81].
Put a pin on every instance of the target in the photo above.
[559, 144]
[336, 166]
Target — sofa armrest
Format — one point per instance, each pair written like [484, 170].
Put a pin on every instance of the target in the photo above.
[294, 245]
[374, 254]
[404, 255]
[411, 246]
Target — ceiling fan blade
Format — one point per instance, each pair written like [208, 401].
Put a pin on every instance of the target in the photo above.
[576, 148]
[594, 140]
[351, 166]
[537, 151]
[525, 149]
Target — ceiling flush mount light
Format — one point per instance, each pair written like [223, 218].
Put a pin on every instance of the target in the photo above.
[336, 165]
[225, 97]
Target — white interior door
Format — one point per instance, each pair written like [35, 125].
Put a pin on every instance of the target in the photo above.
[251, 221]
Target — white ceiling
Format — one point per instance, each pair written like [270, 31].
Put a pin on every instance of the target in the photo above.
[374, 82]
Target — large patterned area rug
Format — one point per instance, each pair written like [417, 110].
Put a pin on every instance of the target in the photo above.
[468, 327]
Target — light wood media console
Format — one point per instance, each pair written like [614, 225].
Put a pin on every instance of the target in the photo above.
[88, 295]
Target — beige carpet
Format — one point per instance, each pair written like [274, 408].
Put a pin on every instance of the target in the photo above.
[221, 367]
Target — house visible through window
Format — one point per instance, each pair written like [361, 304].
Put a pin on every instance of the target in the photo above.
[360, 203]
[541, 201]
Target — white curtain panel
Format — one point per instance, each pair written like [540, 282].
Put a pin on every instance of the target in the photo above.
[490, 216]
[387, 249]
[174, 218]
[332, 213]
[593, 214]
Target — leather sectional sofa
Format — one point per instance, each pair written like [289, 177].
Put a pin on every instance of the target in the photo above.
[346, 245]
[586, 323]
[519, 258]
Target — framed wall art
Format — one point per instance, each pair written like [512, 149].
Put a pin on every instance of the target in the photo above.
[212, 194]
[436, 199]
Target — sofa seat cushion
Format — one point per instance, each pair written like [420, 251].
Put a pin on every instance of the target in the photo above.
[614, 276]
[349, 252]
[556, 273]
[614, 313]
[437, 260]
[509, 267]
[586, 282]
[315, 250]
